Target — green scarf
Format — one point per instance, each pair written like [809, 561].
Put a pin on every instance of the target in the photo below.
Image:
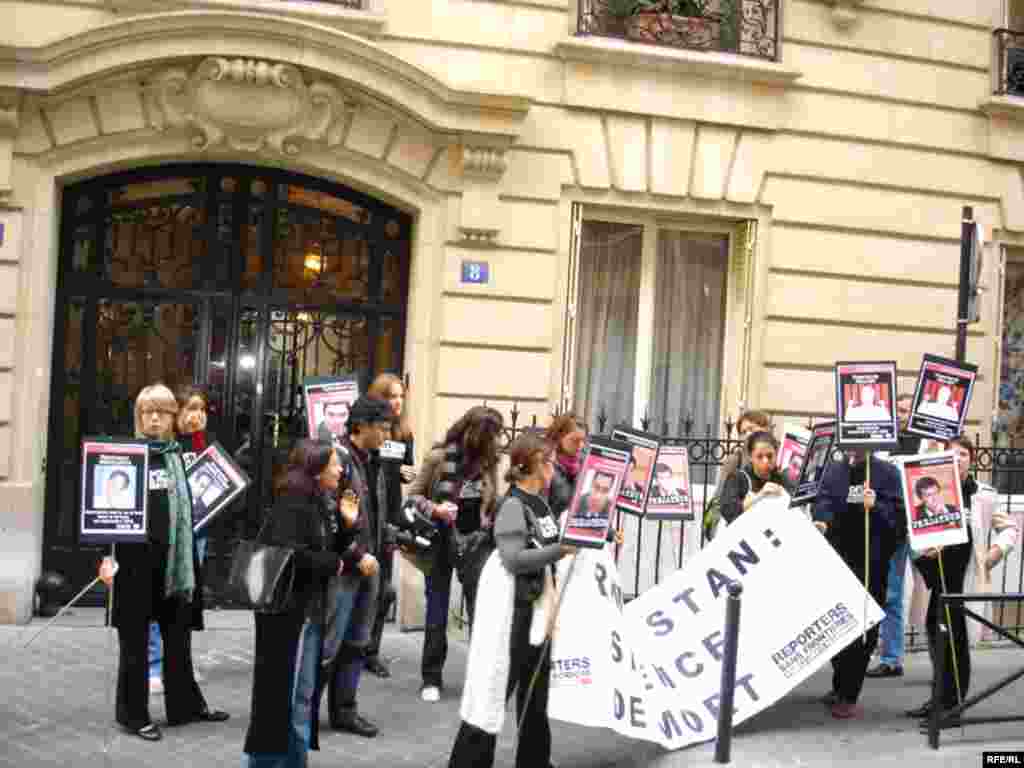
[180, 577]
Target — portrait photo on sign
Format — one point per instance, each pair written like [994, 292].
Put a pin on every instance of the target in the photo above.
[941, 398]
[597, 486]
[791, 456]
[933, 500]
[328, 402]
[214, 480]
[669, 498]
[639, 470]
[113, 502]
[115, 486]
[866, 405]
[818, 455]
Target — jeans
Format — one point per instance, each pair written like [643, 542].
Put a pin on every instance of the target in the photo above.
[346, 638]
[892, 624]
[302, 707]
[156, 651]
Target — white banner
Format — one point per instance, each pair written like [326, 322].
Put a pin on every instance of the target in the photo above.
[652, 670]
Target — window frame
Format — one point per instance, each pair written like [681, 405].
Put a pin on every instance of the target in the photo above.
[739, 294]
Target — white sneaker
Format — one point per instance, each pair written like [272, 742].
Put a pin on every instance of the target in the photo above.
[431, 694]
[156, 685]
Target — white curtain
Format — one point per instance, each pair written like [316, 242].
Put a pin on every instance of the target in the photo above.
[689, 330]
[610, 266]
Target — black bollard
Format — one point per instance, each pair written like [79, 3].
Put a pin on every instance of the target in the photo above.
[723, 744]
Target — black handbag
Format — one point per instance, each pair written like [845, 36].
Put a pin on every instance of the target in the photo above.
[262, 576]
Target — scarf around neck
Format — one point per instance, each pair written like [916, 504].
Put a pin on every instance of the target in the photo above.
[179, 577]
[569, 464]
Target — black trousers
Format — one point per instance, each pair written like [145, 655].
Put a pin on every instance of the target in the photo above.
[474, 748]
[850, 666]
[955, 561]
[182, 696]
[385, 599]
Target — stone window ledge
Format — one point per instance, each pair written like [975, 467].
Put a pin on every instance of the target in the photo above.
[369, 21]
[605, 50]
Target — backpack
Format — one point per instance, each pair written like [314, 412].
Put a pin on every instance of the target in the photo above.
[713, 510]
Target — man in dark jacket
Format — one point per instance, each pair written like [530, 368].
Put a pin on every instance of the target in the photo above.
[369, 424]
[844, 498]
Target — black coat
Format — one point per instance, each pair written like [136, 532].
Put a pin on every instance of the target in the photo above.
[300, 522]
[139, 584]
[888, 526]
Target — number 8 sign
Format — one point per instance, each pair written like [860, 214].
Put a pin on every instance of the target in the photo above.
[476, 272]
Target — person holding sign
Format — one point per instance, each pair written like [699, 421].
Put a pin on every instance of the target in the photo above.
[956, 666]
[388, 388]
[845, 497]
[156, 579]
[516, 608]
[758, 478]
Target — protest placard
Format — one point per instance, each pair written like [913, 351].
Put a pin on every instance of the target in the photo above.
[941, 398]
[866, 405]
[597, 485]
[651, 670]
[114, 484]
[328, 402]
[669, 497]
[214, 480]
[640, 470]
[933, 499]
[791, 456]
[818, 456]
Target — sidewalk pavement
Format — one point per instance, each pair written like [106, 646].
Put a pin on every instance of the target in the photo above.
[57, 709]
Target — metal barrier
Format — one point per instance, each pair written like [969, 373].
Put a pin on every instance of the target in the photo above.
[940, 719]
[1002, 467]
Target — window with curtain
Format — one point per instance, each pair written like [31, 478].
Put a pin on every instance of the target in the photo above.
[650, 325]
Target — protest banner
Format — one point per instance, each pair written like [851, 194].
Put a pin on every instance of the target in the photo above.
[114, 484]
[791, 455]
[933, 499]
[669, 498]
[817, 458]
[214, 480]
[941, 398]
[328, 402]
[597, 485]
[866, 405]
[651, 670]
[635, 486]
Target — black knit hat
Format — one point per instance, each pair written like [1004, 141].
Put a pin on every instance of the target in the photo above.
[367, 410]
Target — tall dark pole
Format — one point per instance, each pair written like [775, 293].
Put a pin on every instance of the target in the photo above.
[963, 295]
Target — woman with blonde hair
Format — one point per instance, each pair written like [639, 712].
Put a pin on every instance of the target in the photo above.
[388, 388]
[156, 579]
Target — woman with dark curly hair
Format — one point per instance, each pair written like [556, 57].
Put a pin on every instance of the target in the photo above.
[456, 486]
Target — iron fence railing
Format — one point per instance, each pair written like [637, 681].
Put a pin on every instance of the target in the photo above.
[1009, 62]
[744, 27]
[1001, 467]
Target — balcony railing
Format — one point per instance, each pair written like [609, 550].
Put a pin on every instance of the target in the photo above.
[1009, 69]
[744, 27]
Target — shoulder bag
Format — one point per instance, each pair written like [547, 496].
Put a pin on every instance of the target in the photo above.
[262, 576]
